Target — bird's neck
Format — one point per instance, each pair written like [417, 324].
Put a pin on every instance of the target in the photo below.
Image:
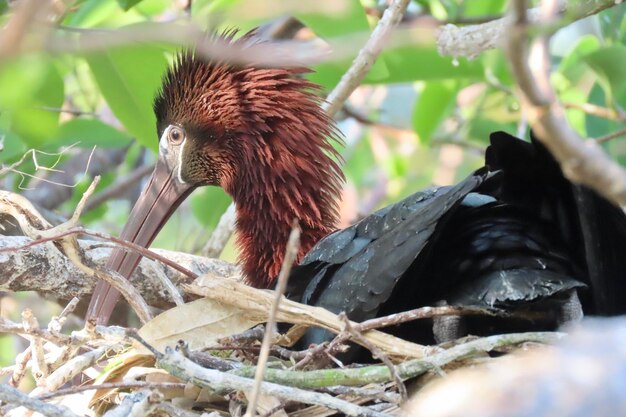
[269, 195]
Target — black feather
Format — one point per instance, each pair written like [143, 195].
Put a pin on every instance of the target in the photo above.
[510, 236]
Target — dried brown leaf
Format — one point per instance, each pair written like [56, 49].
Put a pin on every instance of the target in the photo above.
[255, 304]
[199, 323]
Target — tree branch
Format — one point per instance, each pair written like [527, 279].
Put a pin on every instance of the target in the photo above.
[470, 41]
[43, 268]
[582, 161]
[366, 57]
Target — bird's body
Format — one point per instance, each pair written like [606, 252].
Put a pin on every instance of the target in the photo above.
[515, 234]
[512, 236]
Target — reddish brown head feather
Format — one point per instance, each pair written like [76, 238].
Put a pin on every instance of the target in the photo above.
[264, 138]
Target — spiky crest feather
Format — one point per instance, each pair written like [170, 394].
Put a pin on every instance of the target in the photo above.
[272, 143]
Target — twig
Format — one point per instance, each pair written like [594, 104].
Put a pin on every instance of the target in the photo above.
[377, 392]
[175, 294]
[610, 136]
[51, 191]
[119, 187]
[138, 403]
[16, 29]
[56, 323]
[409, 369]
[73, 112]
[79, 230]
[13, 396]
[427, 313]
[39, 367]
[7, 326]
[470, 41]
[394, 319]
[582, 161]
[291, 252]
[36, 227]
[179, 366]
[111, 385]
[19, 371]
[73, 367]
[598, 111]
[224, 229]
[257, 302]
[366, 57]
[377, 353]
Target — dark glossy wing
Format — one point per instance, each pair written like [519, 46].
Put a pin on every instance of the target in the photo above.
[595, 228]
[356, 269]
[514, 235]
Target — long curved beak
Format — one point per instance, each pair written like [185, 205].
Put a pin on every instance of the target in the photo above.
[159, 199]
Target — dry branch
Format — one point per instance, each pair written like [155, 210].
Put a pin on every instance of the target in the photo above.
[362, 376]
[43, 268]
[13, 396]
[291, 252]
[366, 57]
[178, 365]
[472, 40]
[256, 303]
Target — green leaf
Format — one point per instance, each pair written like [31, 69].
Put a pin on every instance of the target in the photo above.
[480, 129]
[483, 8]
[92, 13]
[127, 4]
[359, 163]
[570, 64]
[609, 63]
[575, 117]
[412, 63]
[89, 133]
[128, 79]
[153, 7]
[20, 79]
[208, 204]
[351, 20]
[612, 23]
[206, 7]
[11, 146]
[598, 126]
[36, 119]
[433, 105]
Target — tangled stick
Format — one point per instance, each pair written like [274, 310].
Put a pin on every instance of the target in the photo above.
[36, 227]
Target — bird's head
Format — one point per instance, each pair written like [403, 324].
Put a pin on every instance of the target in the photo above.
[257, 132]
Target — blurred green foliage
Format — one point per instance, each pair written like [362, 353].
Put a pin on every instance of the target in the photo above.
[423, 111]
[449, 101]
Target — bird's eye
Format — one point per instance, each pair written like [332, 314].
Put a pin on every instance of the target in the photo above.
[175, 135]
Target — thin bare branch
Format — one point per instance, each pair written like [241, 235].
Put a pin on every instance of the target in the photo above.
[178, 365]
[378, 354]
[366, 57]
[598, 111]
[223, 231]
[44, 269]
[472, 40]
[291, 252]
[13, 396]
[610, 136]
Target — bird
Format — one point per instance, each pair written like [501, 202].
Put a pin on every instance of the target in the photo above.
[514, 235]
